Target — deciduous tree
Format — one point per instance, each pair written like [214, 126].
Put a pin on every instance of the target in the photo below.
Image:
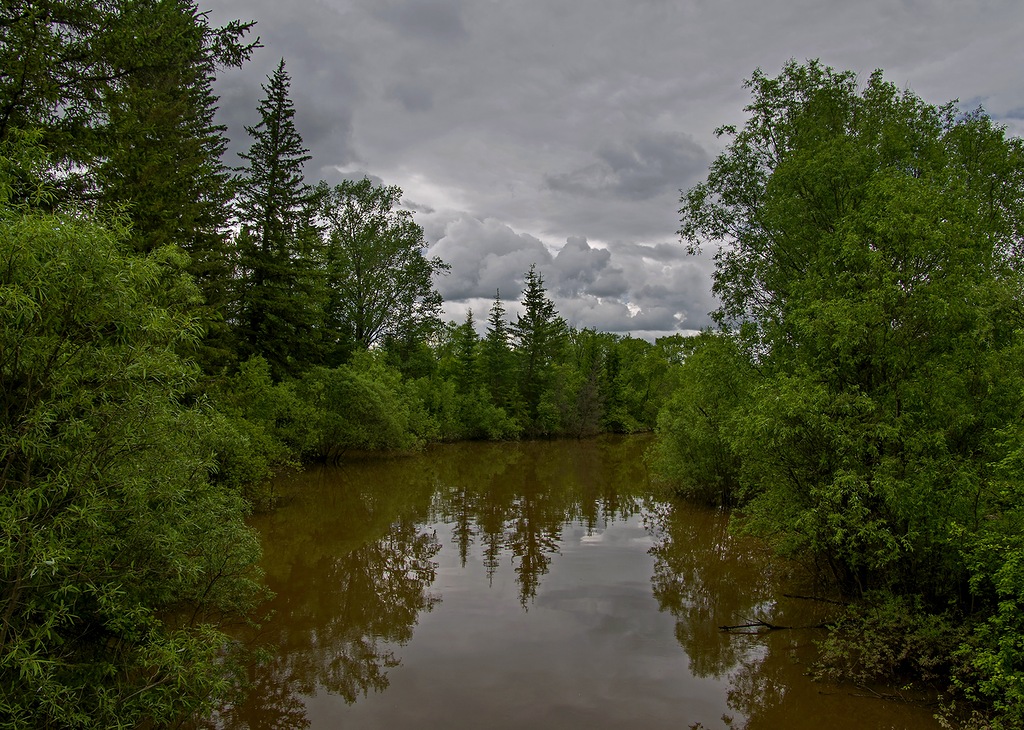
[118, 558]
[379, 282]
[868, 265]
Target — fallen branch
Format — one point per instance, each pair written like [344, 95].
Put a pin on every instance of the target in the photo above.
[767, 626]
[815, 598]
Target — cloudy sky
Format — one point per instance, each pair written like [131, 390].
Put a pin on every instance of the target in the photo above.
[560, 132]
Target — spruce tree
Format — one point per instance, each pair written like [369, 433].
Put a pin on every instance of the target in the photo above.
[276, 311]
[54, 66]
[465, 341]
[164, 163]
[539, 336]
[496, 356]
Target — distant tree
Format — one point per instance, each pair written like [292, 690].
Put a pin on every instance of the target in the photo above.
[378, 281]
[465, 342]
[496, 363]
[539, 335]
[694, 449]
[582, 387]
[277, 308]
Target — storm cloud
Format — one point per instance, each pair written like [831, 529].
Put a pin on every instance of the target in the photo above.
[560, 134]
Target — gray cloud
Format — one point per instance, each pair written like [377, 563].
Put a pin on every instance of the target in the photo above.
[560, 133]
[625, 288]
[486, 256]
[412, 97]
[581, 270]
[641, 168]
[437, 21]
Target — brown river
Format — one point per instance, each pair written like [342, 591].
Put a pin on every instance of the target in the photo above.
[534, 585]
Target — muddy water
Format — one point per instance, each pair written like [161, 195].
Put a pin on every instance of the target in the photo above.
[535, 585]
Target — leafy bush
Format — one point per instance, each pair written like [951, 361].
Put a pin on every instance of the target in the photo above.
[118, 557]
[694, 451]
[258, 427]
[362, 405]
[888, 638]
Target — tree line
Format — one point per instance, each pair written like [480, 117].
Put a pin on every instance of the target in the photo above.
[174, 328]
[860, 402]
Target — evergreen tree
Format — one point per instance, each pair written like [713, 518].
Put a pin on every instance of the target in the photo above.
[539, 336]
[276, 307]
[583, 382]
[56, 62]
[165, 160]
[121, 94]
[496, 356]
[465, 345]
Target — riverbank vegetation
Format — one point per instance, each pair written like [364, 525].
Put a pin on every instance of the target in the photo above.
[174, 329]
[860, 402]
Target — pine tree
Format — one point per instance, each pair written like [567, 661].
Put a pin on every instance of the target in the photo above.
[276, 311]
[164, 163]
[465, 342]
[539, 335]
[496, 356]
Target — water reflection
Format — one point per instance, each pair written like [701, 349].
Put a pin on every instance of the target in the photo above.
[545, 556]
[706, 578]
[351, 567]
[515, 499]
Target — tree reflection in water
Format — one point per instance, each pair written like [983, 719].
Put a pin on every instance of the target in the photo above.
[354, 558]
[352, 565]
[517, 500]
[708, 578]
[351, 574]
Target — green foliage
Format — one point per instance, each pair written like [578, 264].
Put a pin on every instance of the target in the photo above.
[578, 384]
[379, 284]
[868, 269]
[990, 664]
[120, 94]
[163, 160]
[539, 336]
[888, 639]
[495, 357]
[359, 406]
[277, 308]
[639, 378]
[694, 451]
[118, 557]
[260, 427]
